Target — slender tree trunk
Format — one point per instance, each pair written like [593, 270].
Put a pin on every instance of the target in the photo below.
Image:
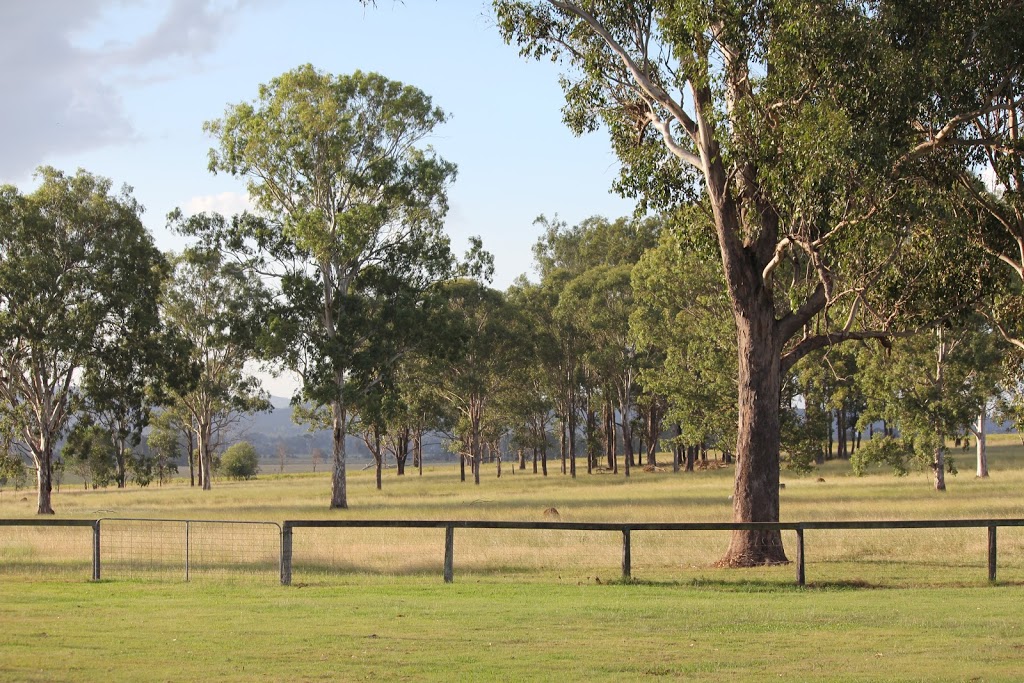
[544, 457]
[939, 467]
[844, 449]
[677, 448]
[475, 446]
[939, 459]
[609, 436]
[653, 432]
[204, 435]
[562, 447]
[43, 457]
[979, 439]
[691, 457]
[535, 449]
[339, 488]
[120, 457]
[572, 436]
[418, 449]
[627, 435]
[591, 439]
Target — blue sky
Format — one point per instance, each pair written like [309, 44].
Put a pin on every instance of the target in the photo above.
[122, 88]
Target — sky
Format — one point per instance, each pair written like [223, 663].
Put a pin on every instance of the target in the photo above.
[122, 88]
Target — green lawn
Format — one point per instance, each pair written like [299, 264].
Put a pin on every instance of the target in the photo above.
[896, 605]
[505, 631]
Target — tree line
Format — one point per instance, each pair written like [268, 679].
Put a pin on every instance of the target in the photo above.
[813, 228]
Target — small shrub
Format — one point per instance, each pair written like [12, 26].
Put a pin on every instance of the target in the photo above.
[240, 461]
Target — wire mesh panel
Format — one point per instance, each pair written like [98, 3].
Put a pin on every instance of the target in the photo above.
[188, 550]
[35, 550]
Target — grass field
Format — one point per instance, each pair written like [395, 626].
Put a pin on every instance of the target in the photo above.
[882, 605]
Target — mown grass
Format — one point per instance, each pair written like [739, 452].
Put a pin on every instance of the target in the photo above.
[416, 629]
[370, 605]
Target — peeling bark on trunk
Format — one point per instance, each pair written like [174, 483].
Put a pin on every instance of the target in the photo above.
[756, 491]
[572, 440]
[339, 490]
[980, 445]
[204, 436]
[939, 468]
[44, 477]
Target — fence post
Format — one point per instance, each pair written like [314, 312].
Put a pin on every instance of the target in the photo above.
[188, 530]
[286, 554]
[992, 553]
[449, 554]
[627, 568]
[96, 550]
[801, 576]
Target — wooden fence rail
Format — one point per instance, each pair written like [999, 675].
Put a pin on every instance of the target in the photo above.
[625, 530]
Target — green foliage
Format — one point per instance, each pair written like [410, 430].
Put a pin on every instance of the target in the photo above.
[240, 461]
[79, 283]
[218, 309]
[930, 387]
[887, 451]
[12, 471]
[351, 207]
[163, 444]
[683, 310]
[90, 453]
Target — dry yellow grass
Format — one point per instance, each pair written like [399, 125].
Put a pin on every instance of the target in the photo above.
[910, 555]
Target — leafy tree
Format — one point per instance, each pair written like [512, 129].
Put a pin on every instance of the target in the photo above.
[79, 279]
[682, 308]
[599, 302]
[12, 470]
[89, 451]
[794, 125]
[930, 387]
[120, 389]
[483, 322]
[240, 461]
[217, 307]
[163, 442]
[352, 203]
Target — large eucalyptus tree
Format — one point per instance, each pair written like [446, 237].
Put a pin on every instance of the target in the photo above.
[79, 279]
[797, 125]
[350, 204]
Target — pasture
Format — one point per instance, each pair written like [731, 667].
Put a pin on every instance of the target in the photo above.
[370, 604]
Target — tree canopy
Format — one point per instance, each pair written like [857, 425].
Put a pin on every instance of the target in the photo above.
[350, 204]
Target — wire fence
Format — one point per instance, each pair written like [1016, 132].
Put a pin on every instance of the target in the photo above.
[189, 549]
[312, 550]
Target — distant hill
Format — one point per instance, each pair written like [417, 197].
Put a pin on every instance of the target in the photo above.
[266, 431]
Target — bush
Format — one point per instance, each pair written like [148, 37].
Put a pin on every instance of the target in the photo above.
[240, 461]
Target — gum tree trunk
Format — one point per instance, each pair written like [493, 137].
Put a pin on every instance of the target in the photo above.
[979, 437]
[44, 476]
[756, 490]
[339, 491]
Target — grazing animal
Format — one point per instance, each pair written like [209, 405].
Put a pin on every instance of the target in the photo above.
[552, 513]
[821, 480]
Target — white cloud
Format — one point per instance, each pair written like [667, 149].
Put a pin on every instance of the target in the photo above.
[225, 203]
[62, 95]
